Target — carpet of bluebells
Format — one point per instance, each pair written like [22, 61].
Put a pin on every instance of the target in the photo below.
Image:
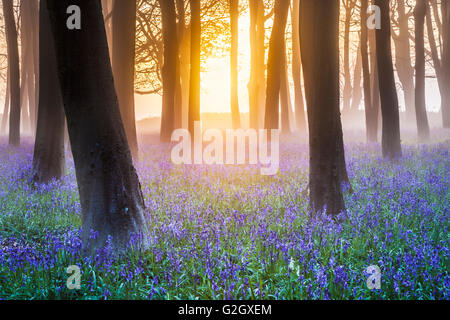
[227, 232]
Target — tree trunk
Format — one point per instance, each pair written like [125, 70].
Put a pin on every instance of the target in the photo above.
[124, 30]
[371, 127]
[403, 60]
[257, 69]
[111, 199]
[285, 95]
[347, 79]
[181, 31]
[234, 92]
[194, 89]
[6, 108]
[446, 63]
[275, 64]
[389, 100]
[319, 37]
[423, 128]
[300, 120]
[169, 69]
[49, 158]
[14, 72]
[357, 91]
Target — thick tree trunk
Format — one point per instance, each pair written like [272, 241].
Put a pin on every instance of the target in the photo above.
[275, 64]
[300, 119]
[403, 60]
[388, 93]
[14, 72]
[194, 90]
[49, 158]
[124, 30]
[169, 69]
[423, 128]
[319, 37]
[234, 92]
[111, 199]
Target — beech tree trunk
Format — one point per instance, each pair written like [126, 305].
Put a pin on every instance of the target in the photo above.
[194, 90]
[403, 60]
[446, 63]
[234, 94]
[370, 109]
[275, 64]
[111, 199]
[169, 69]
[6, 108]
[285, 95]
[14, 73]
[49, 157]
[423, 128]
[124, 31]
[388, 93]
[319, 37]
[256, 85]
[300, 119]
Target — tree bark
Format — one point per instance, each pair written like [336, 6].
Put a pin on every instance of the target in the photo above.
[6, 108]
[111, 199]
[234, 92]
[14, 73]
[169, 69]
[403, 60]
[423, 128]
[446, 63]
[256, 84]
[371, 117]
[123, 60]
[388, 93]
[194, 89]
[285, 95]
[319, 38]
[49, 158]
[300, 119]
[275, 64]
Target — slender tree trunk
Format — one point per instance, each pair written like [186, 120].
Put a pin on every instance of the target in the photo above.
[319, 37]
[357, 90]
[421, 113]
[403, 60]
[49, 158]
[371, 130]
[6, 109]
[111, 199]
[388, 93]
[446, 63]
[13, 65]
[285, 95]
[169, 69]
[347, 78]
[257, 68]
[124, 30]
[275, 64]
[375, 115]
[234, 93]
[194, 91]
[181, 27]
[300, 119]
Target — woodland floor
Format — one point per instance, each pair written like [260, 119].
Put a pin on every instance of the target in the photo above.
[228, 232]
